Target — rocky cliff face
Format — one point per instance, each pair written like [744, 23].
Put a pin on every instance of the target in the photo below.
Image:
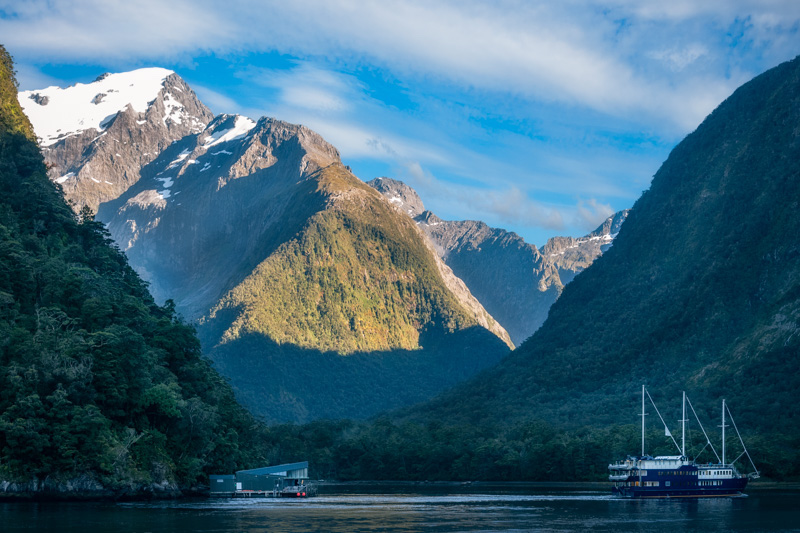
[213, 205]
[504, 272]
[400, 195]
[96, 137]
[571, 256]
[514, 280]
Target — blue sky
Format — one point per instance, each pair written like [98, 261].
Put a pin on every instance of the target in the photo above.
[538, 117]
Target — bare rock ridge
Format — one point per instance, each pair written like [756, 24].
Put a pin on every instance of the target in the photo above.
[514, 280]
[400, 195]
[214, 205]
[571, 256]
[104, 132]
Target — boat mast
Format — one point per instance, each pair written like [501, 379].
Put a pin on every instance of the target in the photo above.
[723, 431]
[683, 427]
[643, 415]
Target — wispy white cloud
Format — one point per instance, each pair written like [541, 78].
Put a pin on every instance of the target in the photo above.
[591, 213]
[544, 71]
[306, 86]
[575, 52]
[339, 107]
[507, 207]
[678, 58]
[769, 12]
[111, 31]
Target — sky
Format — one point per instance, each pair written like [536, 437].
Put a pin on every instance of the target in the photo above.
[539, 117]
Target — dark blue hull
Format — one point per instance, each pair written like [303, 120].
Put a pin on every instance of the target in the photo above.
[730, 488]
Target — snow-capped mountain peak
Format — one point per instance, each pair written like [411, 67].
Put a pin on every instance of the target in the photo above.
[85, 106]
[96, 137]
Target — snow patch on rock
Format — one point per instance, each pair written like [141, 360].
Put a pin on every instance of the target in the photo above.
[92, 105]
[241, 127]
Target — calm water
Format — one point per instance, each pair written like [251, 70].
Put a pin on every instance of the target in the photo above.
[484, 508]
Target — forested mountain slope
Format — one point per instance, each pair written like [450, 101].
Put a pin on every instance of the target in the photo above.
[350, 316]
[700, 292]
[102, 392]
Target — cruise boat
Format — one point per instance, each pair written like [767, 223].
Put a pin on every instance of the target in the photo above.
[677, 476]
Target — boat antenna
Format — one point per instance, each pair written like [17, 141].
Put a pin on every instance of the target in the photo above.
[708, 441]
[742, 442]
[667, 432]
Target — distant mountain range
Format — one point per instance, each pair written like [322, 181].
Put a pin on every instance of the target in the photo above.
[514, 280]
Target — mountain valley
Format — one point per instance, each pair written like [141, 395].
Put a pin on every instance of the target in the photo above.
[514, 280]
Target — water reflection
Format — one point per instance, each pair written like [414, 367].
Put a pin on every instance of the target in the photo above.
[438, 509]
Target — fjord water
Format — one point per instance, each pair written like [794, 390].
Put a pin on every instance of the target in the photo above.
[367, 508]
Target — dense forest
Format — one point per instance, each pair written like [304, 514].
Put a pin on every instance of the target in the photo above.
[388, 449]
[96, 380]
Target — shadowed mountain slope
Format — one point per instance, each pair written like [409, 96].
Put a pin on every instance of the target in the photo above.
[701, 290]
